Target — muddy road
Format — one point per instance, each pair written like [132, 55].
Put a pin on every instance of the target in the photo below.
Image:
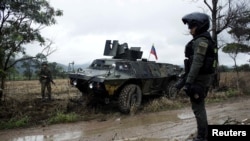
[172, 125]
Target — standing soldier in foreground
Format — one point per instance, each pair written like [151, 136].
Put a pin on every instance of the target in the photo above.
[45, 79]
[199, 67]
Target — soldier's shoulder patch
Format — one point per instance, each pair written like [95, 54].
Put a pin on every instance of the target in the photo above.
[202, 48]
[203, 44]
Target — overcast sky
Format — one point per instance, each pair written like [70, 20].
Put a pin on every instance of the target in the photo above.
[81, 32]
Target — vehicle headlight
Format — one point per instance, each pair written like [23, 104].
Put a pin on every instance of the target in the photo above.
[91, 85]
[74, 82]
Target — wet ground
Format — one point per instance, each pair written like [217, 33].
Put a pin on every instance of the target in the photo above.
[172, 125]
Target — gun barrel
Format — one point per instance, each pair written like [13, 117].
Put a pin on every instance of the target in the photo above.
[181, 82]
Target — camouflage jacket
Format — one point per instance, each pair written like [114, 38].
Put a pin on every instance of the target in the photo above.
[45, 73]
[199, 46]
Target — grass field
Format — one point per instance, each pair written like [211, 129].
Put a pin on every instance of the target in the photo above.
[23, 90]
[228, 79]
[29, 89]
[22, 105]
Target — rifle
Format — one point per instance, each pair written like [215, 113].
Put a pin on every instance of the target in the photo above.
[49, 78]
[181, 82]
[183, 77]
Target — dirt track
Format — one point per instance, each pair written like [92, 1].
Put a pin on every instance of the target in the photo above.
[174, 125]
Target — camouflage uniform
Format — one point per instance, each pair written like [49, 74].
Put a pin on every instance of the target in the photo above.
[45, 77]
[200, 60]
[199, 84]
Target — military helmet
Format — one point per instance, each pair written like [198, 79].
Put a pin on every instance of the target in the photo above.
[200, 20]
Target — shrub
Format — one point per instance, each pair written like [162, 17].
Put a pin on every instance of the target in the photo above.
[14, 123]
[60, 117]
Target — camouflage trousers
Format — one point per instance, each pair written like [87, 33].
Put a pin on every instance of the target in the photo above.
[201, 118]
[45, 85]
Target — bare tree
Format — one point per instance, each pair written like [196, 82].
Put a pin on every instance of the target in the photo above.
[223, 14]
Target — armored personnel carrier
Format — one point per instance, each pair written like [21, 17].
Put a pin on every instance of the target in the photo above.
[125, 78]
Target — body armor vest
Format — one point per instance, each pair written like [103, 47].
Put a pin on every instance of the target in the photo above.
[210, 57]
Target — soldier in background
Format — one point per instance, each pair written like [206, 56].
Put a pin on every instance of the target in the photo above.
[199, 67]
[45, 79]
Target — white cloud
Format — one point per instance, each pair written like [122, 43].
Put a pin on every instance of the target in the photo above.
[80, 34]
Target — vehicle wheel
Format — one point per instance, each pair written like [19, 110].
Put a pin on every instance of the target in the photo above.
[130, 98]
[171, 91]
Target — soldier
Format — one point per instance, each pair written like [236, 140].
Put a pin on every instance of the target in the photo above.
[45, 79]
[200, 56]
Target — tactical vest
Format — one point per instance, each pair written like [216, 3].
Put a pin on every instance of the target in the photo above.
[209, 63]
[45, 72]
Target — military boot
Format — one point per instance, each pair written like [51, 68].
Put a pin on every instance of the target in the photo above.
[49, 97]
[43, 97]
[201, 136]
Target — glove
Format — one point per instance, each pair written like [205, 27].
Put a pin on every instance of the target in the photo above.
[187, 88]
[195, 92]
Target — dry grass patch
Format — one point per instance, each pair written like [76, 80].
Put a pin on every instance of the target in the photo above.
[27, 90]
[228, 80]
[162, 103]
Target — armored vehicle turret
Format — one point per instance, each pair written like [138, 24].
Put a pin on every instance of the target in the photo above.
[125, 78]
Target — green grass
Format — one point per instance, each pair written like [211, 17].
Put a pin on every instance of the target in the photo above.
[232, 92]
[15, 123]
[61, 117]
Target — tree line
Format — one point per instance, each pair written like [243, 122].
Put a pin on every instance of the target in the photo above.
[241, 68]
[29, 70]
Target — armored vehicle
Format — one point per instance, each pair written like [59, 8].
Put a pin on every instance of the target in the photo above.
[125, 78]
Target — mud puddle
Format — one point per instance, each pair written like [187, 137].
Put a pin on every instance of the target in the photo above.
[173, 125]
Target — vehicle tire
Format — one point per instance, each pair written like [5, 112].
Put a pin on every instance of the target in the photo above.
[171, 91]
[130, 98]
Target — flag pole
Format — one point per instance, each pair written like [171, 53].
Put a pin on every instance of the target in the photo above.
[150, 52]
[149, 56]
